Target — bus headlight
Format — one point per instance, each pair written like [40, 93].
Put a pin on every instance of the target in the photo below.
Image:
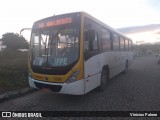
[73, 77]
[30, 75]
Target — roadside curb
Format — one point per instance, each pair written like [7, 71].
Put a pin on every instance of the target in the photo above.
[15, 93]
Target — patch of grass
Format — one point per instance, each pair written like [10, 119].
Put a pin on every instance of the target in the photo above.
[13, 70]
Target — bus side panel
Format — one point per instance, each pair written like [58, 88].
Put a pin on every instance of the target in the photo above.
[117, 65]
[115, 60]
[94, 65]
[92, 69]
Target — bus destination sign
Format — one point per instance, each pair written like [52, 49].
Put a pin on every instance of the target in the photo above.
[57, 22]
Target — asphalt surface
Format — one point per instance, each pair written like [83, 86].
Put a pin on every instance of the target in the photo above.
[137, 90]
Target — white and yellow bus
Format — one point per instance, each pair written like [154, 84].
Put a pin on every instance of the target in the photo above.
[75, 53]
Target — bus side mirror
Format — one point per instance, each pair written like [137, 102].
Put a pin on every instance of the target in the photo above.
[24, 29]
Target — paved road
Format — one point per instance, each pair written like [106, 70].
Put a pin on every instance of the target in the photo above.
[138, 90]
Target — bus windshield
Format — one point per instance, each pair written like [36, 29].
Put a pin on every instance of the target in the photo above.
[55, 47]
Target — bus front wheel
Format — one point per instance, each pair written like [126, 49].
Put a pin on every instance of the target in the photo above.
[103, 80]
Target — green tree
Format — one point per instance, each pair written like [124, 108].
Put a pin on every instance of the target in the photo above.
[14, 41]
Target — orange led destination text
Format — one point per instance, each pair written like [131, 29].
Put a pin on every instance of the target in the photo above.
[56, 22]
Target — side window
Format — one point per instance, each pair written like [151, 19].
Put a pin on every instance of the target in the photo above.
[90, 36]
[91, 40]
[95, 42]
[86, 41]
[126, 44]
[106, 40]
[121, 43]
[115, 42]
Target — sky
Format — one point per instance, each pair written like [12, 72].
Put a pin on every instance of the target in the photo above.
[18, 14]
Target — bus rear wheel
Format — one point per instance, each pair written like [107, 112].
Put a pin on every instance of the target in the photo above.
[103, 80]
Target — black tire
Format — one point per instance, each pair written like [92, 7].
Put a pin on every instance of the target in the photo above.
[104, 80]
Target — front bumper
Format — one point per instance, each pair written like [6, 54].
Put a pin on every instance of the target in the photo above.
[74, 88]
